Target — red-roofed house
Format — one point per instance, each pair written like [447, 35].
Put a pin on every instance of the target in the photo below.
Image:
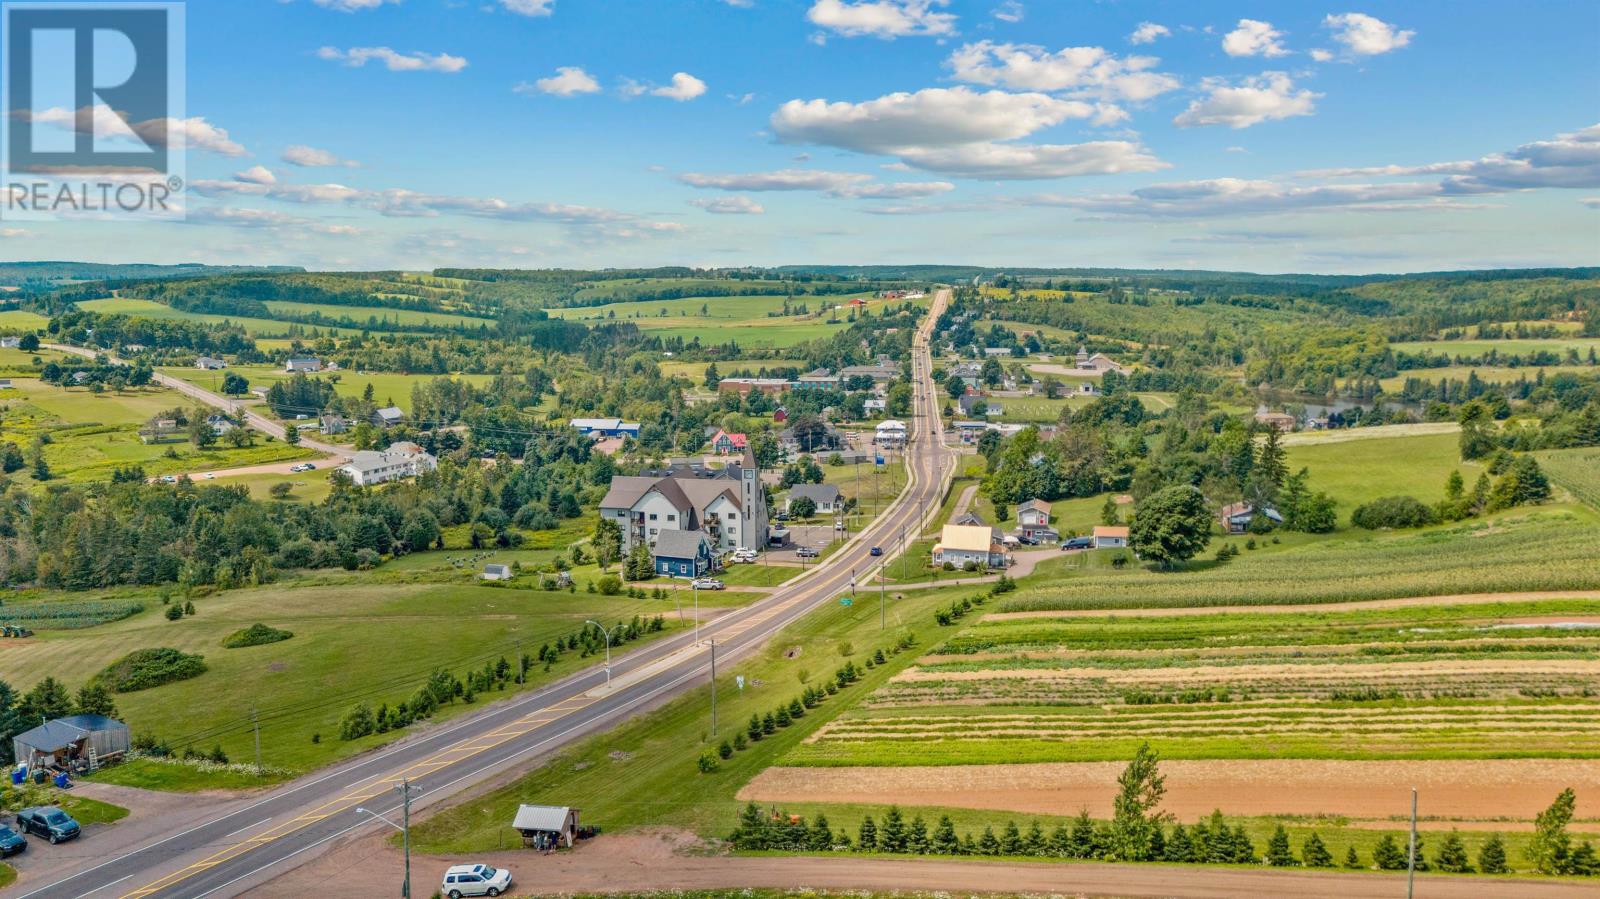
[725, 444]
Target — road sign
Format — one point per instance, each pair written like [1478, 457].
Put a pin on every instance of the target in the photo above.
[740, 681]
[845, 601]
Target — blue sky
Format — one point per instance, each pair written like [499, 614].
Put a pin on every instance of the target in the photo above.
[1323, 137]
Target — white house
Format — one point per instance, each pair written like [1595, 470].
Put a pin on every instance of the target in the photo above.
[825, 497]
[220, 424]
[890, 434]
[209, 363]
[962, 543]
[10, 343]
[302, 364]
[400, 460]
[1110, 536]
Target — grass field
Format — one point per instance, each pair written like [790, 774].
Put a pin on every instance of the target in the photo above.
[1474, 348]
[92, 433]
[255, 327]
[743, 319]
[353, 641]
[359, 315]
[386, 386]
[1358, 471]
[22, 320]
[1493, 374]
[1577, 470]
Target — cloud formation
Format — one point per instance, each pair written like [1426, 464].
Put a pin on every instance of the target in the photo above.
[311, 157]
[1254, 38]
[1147, 32]
[884, 19]
[847, 185]
[569, 81]
[1257, 99]
[1083, 71]
[529, 8]
[729, 206]
[394, 61]
[684, 87]
[193, 133]
[1363, 35]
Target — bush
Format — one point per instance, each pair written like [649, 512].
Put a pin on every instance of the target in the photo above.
[257, 634]
[1393, 512]
[173, 613]
[610, 585]
[146, 668]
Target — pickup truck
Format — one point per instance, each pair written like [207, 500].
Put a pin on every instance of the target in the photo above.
[49, 822]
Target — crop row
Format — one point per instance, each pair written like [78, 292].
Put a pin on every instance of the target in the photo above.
[68, 615]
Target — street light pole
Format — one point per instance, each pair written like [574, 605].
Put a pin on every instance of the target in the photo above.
[607, 632]
[713, 687]
[404, 786]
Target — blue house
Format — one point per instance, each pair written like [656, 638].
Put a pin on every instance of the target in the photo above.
[683, 553]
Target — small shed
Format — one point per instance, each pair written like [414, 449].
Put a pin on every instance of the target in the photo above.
[546, 826]
[496, 572]
[61, 742]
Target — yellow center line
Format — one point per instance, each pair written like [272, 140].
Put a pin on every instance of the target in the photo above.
[362, 792]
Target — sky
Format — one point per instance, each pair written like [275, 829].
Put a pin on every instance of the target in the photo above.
[1331, 136]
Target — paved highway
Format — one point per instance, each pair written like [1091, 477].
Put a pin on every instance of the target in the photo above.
[227, 853]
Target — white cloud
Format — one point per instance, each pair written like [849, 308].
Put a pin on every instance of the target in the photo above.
[193, 133]
[1265, 97]
[955, 131]
[886, 19]
[256, 174]
[684, 87]
[1147, 32]
[1321, 55]
[1570, 160]
[529, 8]
[1088, 71]
[1009, 11]
[1235, 149]
[351, 5]
[1253, 38]
[729, 206]
[247, 217]
[1363, 35]
[847, 185]
[394, 61]
[311, 157]
[1591, 202]
[569, 81]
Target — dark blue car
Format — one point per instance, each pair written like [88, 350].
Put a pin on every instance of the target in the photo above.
[877, 550]
[49, 822]
[11, 842]
[1077, 543]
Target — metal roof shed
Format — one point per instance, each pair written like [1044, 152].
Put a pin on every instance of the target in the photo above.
[546, 826]
[62, 740]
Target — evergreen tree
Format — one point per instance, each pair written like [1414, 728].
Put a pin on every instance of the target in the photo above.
[820, 838]
[1315, 853]
[95, 699]
[1034, 842]
[1279, 853]
[1452, 857]
[1061, 841]
[945, 841]
[917, 836]
[892, 835]
[1492, 856]
[1011, 840]
[1388, 855]
[1352, 860]
[867, 836]
[988, 844]
[1082, 845]
[754, 728]
[1178, 848]
[1244, 851]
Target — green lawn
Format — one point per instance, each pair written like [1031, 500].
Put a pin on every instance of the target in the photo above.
[255, 327]
[743, 319]
[1494, 374]
[1358, 471]
[22, 320]
[386, 386]
[351, 637]
[1559, 345]
[360, 314]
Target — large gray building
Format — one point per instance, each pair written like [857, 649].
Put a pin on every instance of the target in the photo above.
[729, 505]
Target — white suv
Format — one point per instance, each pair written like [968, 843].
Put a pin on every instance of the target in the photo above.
[706, 583]
[744, 555]
[475, 880]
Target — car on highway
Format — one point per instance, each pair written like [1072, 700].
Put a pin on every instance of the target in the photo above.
[877, 550]
[706, 583]
[11, 842]
[475, 880]
[49, 822]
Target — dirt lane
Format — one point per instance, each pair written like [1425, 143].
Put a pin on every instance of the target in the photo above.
[1454, 599]
[1468, 789]
[652, 863]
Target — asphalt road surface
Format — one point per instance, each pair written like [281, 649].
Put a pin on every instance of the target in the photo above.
[225, 853]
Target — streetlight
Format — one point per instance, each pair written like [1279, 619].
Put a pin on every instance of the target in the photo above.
[405, 829]
[607, 632]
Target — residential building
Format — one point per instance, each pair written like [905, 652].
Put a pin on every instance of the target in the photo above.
[1033, 522]
[496, 572]
[220, 424]
[1283, 421]
[1097, 362]
[329, 423]
[993, 352]
[161, 430]
[210, 363]
[825, 497]
[684, 554]
[726, 444]
[970, 373]
[387, 417]
[729, 506]
[970, 518]
[10, 343]
[302, 365]
[969, 404]
[819, 379]
[400, 460]
[743, 386]
[880, 372]
[960, 544]
[5, 383]
[606, 427]
[890, 434]
[1110, 536]
[1235, 518]
[875, 406]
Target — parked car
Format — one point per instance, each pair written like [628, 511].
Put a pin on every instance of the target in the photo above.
[805, 552]
[49, 822]
[877, 550]
[706, 583]
[11, 842]
[303, 466]
[1077, 543]
[475, 880]
[744, 555]
[1025, 540]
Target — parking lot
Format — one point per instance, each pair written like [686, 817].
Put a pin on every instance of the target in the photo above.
[814, 536]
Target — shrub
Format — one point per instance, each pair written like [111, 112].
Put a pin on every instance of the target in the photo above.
[173, 613]
[1393, 512]
[257, 634]
[610, 585]
[146, 668]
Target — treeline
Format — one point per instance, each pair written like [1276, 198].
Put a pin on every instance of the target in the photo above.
[113, 332]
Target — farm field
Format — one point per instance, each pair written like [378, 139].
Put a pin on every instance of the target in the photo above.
[90, 433]
[348, 636]
[386, 386]
[1493, 374]
[742, 319]
[359, 315]
[1360, 470]
[255, 327]
[1576, 470]
[22, 320]
[1513, 347]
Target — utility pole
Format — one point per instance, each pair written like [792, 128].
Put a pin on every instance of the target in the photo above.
[713, 687]
[255, 725]
[1411, 854]
[405, 832]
